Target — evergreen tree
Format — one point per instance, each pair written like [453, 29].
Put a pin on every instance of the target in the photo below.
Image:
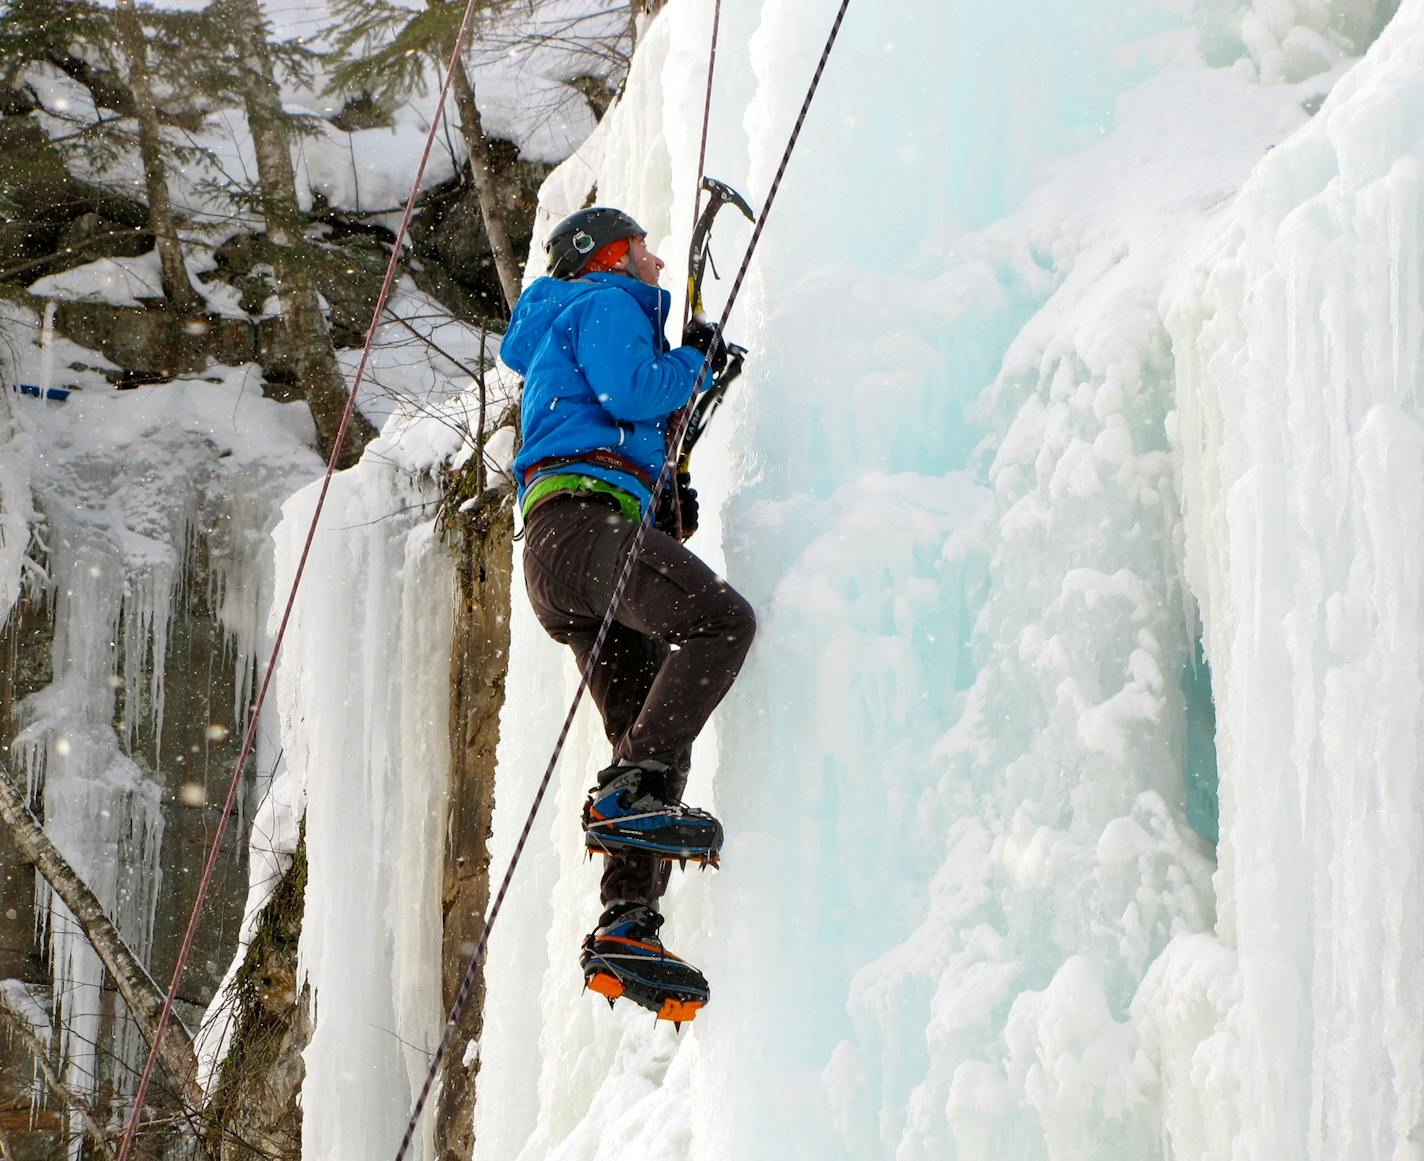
[309, 348]
[107, 51]
[176, 286]
[387, 51]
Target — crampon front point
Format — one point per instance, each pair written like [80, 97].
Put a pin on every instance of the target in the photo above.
[679, 1010]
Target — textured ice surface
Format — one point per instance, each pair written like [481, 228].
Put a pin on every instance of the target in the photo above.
[363, 687]
[1299, 331]
[364, 692]
[17, 455]
[1010, 315]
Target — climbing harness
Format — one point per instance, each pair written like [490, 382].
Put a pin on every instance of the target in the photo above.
[599, 457]
[250, 736]
[477, 957]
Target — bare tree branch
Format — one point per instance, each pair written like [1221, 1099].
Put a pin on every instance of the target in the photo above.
[20, 1028]
[143, 997]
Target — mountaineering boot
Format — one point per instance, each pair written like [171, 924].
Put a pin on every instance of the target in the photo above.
[624, 957]
[631, 811]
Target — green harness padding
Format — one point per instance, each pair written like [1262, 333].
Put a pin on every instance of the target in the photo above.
[573, 482]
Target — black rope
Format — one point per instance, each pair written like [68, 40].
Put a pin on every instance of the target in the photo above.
[702, 148]
[669, 466]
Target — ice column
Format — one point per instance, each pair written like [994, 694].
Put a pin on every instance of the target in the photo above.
[1300, 332]
[364, 699]
[124, 482]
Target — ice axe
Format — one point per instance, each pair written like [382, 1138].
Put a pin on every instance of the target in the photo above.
[699, 260]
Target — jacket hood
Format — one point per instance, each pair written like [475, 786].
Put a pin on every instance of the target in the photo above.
[546, 298]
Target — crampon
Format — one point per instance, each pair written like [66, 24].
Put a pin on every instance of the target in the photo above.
[623, 816]
[625, 959]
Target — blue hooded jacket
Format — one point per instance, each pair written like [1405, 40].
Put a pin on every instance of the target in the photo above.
[598, 373]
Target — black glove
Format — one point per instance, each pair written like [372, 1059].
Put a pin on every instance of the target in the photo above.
[681, 496]
[704, 336]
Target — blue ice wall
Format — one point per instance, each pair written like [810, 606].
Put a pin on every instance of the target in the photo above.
[1203, 791]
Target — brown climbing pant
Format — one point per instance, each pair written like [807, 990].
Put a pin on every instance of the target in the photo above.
[676, 644]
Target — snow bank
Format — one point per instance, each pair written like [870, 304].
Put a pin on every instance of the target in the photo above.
[116, 281]
[1298, 329]
[131, 281]
[520, 61]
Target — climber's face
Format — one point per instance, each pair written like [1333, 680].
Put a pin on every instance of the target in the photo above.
[643, 264]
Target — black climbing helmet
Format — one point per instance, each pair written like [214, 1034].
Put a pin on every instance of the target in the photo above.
[582, 234]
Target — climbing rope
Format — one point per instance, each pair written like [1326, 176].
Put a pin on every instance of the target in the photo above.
[702, 148]
[249, 737]
[669, 466]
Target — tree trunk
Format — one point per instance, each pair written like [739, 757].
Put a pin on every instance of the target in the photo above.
[140, 993]
[309, 343]
[482, 171]
[155, 172]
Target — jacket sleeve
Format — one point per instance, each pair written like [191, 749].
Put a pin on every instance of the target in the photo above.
[613, 342]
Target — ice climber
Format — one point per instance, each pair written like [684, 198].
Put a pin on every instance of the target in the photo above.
[601, 384]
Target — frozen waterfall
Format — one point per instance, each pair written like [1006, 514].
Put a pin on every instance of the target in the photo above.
[1080, 336]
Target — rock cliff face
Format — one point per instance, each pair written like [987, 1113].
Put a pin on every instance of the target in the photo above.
[24, 667]
[255, 1110]
[128, 666]
[479, 663]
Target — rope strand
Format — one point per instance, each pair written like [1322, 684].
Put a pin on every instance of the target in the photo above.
[669, 466]
[702, 148]
[249, 737]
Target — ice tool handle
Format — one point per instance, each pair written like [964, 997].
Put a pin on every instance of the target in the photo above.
[711, 399]
[699, 259]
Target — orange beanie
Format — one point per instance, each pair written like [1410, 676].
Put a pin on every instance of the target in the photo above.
[606, 258]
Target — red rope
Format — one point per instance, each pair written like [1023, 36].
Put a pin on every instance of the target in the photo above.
[669, 469]
[249, 738]
[702, 149]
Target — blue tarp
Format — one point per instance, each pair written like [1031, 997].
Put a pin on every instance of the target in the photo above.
[59, 394]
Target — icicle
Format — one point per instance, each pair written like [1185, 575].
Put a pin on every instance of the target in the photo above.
[123, 518]
[47, 349]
